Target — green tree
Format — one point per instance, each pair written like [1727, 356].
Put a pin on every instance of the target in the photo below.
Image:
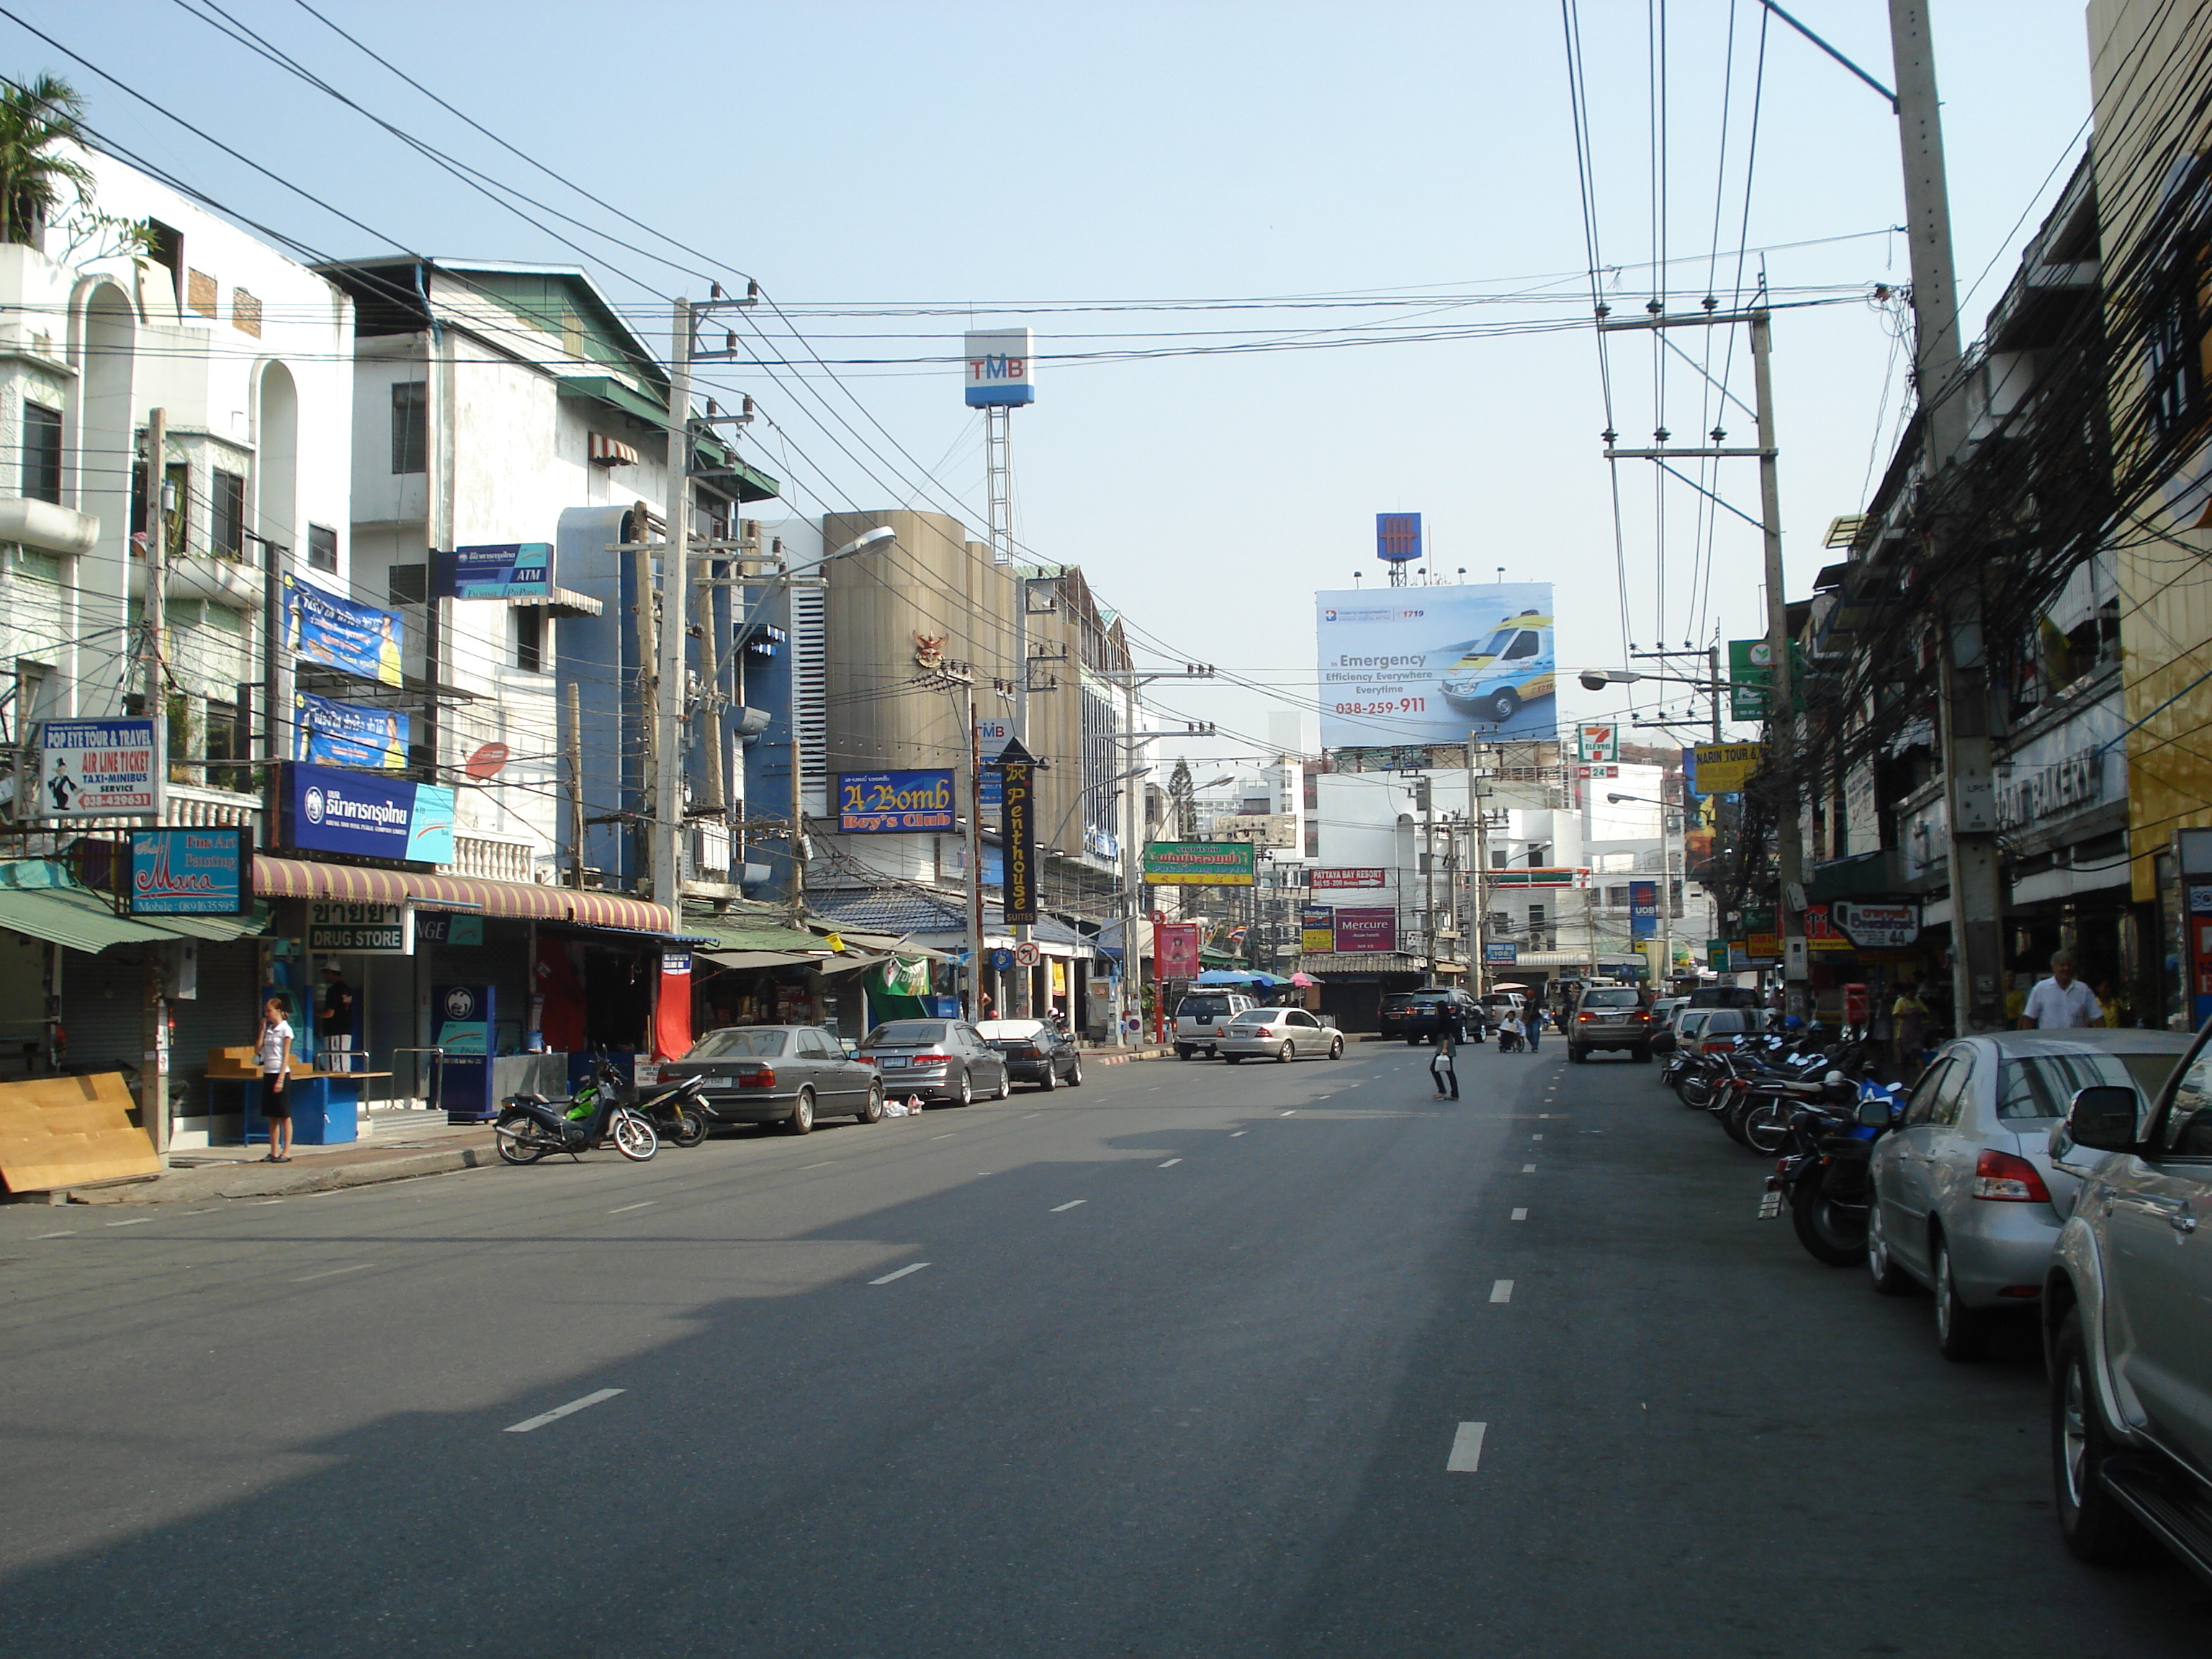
[34, 119]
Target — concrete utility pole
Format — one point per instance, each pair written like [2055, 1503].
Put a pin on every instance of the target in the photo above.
[573, 748]
[154, 1067]
[1782, 693]
[1969, 795]
[675, 574]
[648, 660]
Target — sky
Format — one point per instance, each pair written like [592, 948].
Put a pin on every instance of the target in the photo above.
[1172, 195]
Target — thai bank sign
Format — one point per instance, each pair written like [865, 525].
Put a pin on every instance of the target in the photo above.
[999, 368]
[330, 811]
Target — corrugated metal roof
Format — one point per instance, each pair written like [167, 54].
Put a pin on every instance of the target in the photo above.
[71, 916]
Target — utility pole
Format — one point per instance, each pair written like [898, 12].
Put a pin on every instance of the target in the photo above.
[649, 659]
[573, 750]
[1429, 875]
[1781, 699]
[1969, 795]
[1478, 858]
[154, 1068]
[668, 689]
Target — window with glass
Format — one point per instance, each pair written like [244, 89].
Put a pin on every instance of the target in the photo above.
[226, 514]
[42, 454]
[410, 427]
[322, 547]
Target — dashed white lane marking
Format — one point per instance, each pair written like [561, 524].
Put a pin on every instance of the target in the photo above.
[1520, 1215]
[1032, 1114]
[910, 1267]
[1293, 1112]
[263, 1204]
[1466, 1448]
[1528, 1168]
[1502, 1291]
[947, 1135]
[1070, 1205]
[1171, 1164]
[71, 1233]
[1536, 1137]
[1233, 1133]
[823, 1164]
[135, 1221]
[358, 1266]
[626, 1208]
[560, 1412]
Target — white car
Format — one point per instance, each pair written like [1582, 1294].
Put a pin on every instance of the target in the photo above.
[1283, 1034]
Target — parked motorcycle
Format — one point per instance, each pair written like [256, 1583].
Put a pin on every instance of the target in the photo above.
[530, 1125]
[674, 1112]
[1822, 1176]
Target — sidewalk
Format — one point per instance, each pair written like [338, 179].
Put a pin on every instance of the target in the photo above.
[405, 1145]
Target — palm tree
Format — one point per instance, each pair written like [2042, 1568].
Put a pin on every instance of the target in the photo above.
[33, 120]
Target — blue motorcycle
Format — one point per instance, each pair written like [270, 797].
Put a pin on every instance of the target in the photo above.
[1822, 1173]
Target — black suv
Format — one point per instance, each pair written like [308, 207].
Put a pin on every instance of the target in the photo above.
[1417, 1015]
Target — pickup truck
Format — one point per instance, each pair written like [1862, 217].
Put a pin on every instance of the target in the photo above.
[2123, 1320]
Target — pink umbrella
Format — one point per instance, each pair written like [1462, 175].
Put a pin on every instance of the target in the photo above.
[1304, 980]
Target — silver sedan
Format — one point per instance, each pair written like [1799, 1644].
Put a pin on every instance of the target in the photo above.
[1284, 1034]
[1967, 1199]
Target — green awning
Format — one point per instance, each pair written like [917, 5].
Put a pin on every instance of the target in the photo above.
[71, 916]
[723, 469]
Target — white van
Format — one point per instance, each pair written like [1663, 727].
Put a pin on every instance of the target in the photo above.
[1203, 1016]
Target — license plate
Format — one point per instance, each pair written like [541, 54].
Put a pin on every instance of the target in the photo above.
[889, 1061]
[1770, 1206]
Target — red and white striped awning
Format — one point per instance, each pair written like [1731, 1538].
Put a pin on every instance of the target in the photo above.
[275, 878]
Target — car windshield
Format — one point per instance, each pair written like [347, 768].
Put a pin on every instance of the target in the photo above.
[1203, 1008]
[906, 1034]
[2042, 1085]
[1257, 1016]
[1610, 999]
[1011, 1031]
[1398, 1000]
[741, 1042]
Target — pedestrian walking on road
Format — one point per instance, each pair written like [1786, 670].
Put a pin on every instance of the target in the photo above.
[274, 1051]
[1534, 1029]
[1443, 1067]
[2061, 1002]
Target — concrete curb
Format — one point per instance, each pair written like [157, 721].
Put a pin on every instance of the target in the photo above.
[256, 1181]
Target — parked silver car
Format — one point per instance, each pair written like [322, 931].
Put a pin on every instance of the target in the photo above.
[1284, 1034]
[1967, 1199]
[786, 1074]
[2124, 1327]
[936, 1059]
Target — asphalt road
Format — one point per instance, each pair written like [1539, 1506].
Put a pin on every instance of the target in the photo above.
[1188, 1368]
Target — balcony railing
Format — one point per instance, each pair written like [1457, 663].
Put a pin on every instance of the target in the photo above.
[493, 858]
[186, 805]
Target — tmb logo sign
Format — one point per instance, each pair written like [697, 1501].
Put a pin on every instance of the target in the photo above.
[999, 367]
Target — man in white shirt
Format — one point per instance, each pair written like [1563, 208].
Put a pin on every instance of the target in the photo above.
[2061, 1003]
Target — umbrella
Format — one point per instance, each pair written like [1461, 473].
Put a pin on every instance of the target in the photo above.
[1508, 985]
[1304, 980]
[1225, 976]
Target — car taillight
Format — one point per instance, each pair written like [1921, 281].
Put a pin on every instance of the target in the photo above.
[928, 1060]
[864, 1059]
[2007, 1179]
[1585, 1016]
[762, 1077]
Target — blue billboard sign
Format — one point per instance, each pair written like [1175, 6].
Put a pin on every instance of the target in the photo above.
[331, 733]
[893, 803]
[1642, 910]
[188, 872]
[1398, 538]
[338, 633]
[1501, 953]
[500, 570]
[369, 816]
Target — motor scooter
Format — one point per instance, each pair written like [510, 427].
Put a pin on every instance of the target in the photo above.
[530, 1125]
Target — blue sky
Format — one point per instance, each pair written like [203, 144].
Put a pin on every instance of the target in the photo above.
[1019, 160]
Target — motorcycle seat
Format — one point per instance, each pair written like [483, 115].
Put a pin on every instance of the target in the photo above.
[528, 1097]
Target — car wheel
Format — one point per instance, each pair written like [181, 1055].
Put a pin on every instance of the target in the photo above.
[1286, 1054]
[1050, 1081]
[1336, 1049]
[1889, 1278]
[2090, 1519]
[1075, 1073]
[1505, 705]
[1412, 1042]
[873, 1111]
[801, 1121]
[1231, 1059]
[1962, 1333]
[1006, 1082]
[1641, 1053]
[966, 1095]
[1183, 1053]
[1578, 1055]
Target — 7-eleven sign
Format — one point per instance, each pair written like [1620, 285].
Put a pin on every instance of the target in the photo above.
[1599, 744]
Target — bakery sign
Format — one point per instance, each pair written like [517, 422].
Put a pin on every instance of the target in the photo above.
[1876, 926]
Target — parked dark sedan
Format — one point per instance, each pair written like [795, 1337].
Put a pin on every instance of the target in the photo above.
[1036, 1051]
[786, 1074]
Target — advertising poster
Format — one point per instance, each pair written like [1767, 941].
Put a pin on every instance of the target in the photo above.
[1177, 945]
[1369, 930]
[1198, 863]
[94, 768]
[1501, 953]
[1421, 665]
[332, 733]
[1723, 768]
[1316, 929]
[1642, 910]
[356, 639]
[335, 812]
[188, 872]
[1018, 833]
[1329, 880]
[501, 571]
[891, 803]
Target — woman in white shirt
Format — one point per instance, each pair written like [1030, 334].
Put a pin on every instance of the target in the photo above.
[275, 1053]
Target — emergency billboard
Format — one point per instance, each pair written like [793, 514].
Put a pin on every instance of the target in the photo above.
[1424, 665]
